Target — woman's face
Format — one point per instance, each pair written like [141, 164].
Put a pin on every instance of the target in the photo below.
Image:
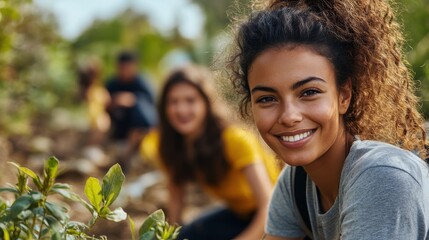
[186, 109]
[295, 103]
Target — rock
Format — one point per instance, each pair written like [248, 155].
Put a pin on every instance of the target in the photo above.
[41, 144]
[96, 156]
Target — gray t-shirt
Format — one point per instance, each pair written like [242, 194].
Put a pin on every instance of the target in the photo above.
[384, 194]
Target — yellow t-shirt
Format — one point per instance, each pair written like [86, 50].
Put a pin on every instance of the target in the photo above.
[241, 150]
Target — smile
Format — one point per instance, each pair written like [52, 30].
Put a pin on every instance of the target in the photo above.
[297, 137]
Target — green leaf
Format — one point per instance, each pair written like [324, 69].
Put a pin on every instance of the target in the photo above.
[37, 196]
[117, 215]
[39, 211]
[64, 190]
[21, 186]
[5, 232]
[73, 197]
[149, 235]
[8, 189]
[24, 231]
[3, 206]
[30, 173]
[15, 165]
[56, 236]
[176, 232]
[45, 231]
[93, 192]
[112, 184]
[51, 167]
[50, 172]
[25, 214]
[54, 224]
[58, 212]
[21, 204]
[76, 226]
[61, 186]
[151, 220]
[66, 194]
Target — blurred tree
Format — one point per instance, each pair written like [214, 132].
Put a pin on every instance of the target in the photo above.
[132, 30]
[220, 13]
[9, 17]
[128, 30]
[415, 17]
[35, 71]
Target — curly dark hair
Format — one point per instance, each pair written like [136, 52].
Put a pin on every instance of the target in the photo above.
[364, 43]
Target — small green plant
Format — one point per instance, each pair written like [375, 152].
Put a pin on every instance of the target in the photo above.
[33, 214]
[155, 227]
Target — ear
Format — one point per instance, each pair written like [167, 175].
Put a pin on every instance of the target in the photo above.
[344, 97]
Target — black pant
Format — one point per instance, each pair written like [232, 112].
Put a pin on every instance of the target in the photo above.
[126, 119]
[219, 224]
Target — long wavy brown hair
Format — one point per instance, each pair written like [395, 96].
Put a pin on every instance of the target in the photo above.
[208, 163]
[363, 41]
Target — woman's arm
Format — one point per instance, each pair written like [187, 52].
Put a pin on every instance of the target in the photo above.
[175, 204]
[261, 187]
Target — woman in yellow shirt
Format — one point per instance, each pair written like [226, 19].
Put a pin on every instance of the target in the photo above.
[193, 144]
[96, 98]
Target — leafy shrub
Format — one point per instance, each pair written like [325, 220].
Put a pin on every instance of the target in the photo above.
[155, 227]
[32, 214]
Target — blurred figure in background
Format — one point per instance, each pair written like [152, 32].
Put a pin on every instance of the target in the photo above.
[193, 145]
[96, 98]
[131, 109]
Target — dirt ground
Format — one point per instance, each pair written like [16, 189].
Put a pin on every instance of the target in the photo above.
[143, 192]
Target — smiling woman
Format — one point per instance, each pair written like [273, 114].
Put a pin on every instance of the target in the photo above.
[330, 94]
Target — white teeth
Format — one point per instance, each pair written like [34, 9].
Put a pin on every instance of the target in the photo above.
[296, 138]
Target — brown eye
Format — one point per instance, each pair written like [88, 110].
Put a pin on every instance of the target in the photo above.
[310, 92]
[265, 100]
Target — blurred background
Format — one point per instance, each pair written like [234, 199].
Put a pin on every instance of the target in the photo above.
[43, 43]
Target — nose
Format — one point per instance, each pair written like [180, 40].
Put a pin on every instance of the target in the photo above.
[181, 108]
[290, 114]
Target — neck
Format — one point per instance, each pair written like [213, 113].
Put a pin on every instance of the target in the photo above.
[326, 171]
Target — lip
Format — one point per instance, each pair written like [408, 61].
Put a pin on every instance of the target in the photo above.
[184, 120]
[299, 143]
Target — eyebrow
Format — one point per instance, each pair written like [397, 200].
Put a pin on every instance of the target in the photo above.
[305, 81]
[294, 86]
